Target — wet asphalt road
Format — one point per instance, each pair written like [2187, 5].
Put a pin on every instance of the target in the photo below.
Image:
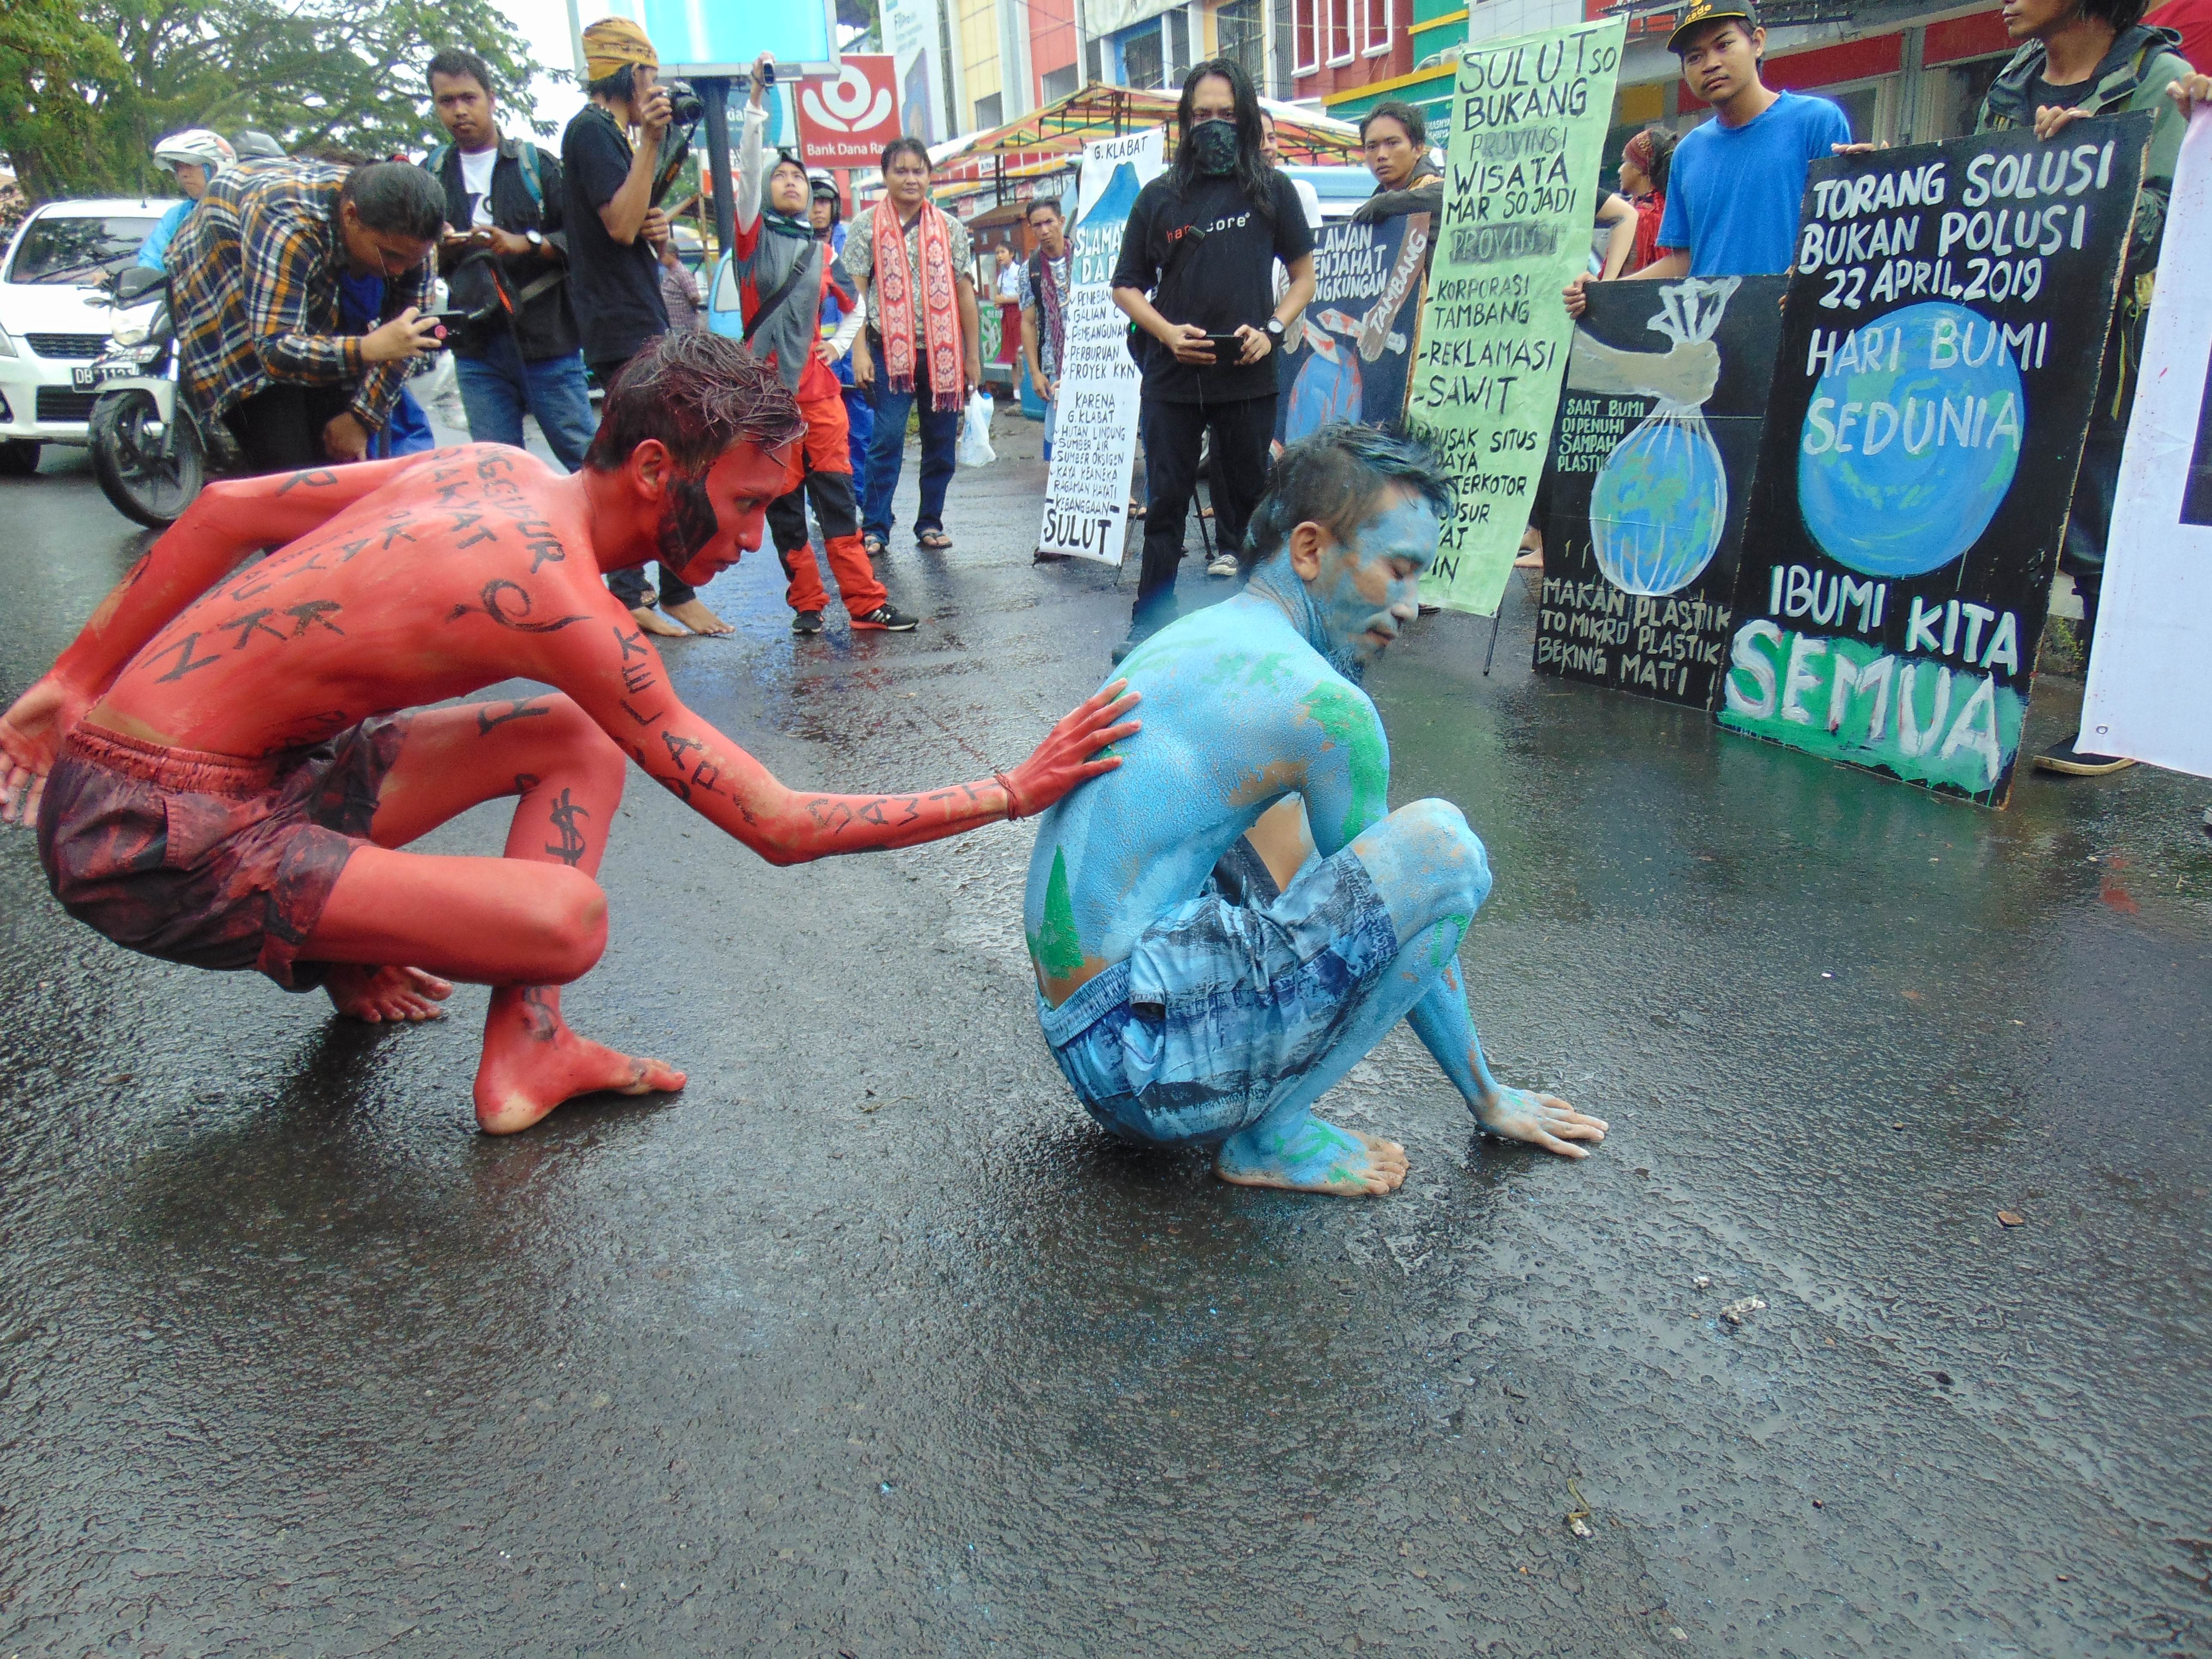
[870, 1344]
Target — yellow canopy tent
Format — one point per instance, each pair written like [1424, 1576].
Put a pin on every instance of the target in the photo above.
[1050, 141]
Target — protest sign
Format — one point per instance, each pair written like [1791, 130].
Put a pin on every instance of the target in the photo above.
[1527, 128]
[1946, 324]
[1346, 357]
[1650, 475]
[2147, 695]
[1094, 443]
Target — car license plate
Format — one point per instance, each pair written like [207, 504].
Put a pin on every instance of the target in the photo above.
[86, 376]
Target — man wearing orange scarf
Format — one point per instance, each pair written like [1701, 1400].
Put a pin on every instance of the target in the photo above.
[910, 261]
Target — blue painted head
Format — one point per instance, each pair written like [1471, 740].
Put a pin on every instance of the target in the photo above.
[1349, 523]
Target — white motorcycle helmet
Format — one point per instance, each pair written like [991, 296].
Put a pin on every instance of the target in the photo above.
[210, 151]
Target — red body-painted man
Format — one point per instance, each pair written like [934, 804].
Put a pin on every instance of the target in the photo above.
[215, 779]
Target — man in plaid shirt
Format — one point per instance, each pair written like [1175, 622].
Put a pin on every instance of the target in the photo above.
[258, 268]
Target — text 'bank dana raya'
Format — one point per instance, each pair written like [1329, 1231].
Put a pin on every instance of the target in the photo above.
[1940, 344]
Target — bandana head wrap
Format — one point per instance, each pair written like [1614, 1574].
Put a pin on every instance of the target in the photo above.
[613, 41]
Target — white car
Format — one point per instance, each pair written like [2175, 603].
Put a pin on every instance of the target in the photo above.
[54, 318]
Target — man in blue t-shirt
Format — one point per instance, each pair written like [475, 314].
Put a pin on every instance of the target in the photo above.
[1738, 181]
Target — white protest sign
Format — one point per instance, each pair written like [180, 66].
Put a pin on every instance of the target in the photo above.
[1094, 444]
[2148, 691]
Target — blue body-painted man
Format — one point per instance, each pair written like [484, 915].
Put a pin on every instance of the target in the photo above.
[1200, 986]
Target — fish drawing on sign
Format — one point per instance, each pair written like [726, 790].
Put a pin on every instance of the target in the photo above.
[1659, 505]
[1328, 386]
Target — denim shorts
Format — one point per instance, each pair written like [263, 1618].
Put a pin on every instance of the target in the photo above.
[1187, 1039]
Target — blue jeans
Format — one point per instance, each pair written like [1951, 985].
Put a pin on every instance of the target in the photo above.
[859, 427]
[940, 431]
[498, 386]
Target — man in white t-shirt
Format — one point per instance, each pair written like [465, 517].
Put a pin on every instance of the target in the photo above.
[504, 232]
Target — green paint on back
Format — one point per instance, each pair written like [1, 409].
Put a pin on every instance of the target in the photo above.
[1350, 721]
[1054, 946]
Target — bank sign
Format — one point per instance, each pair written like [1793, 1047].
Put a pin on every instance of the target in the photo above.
[846, 122]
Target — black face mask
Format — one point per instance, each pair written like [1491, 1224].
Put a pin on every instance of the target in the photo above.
[1215, 144]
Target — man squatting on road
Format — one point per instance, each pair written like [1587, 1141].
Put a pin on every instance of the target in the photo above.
[216, 780]
[783, 269]
[1199, 987]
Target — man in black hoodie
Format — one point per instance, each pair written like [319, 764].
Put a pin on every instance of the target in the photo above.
[1197, 267]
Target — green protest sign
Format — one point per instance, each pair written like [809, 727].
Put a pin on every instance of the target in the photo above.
[1528, 133]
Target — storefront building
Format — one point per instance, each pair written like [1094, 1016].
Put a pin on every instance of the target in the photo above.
[1903, 73]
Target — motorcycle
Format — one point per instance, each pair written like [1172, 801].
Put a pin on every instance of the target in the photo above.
[149, 450]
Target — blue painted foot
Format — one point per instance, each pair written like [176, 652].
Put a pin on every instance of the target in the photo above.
[1303, 1154]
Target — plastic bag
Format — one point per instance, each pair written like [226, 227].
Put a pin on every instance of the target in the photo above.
[1660, 503]
[974, 448]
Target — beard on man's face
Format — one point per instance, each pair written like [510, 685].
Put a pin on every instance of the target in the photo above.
[687, 523]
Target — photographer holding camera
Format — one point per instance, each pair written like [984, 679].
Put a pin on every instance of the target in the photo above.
[259, 265]
[503, 256]
[608, 157]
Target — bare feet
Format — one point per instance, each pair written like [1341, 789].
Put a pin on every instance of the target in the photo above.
[1543, 1121]
[533, 1062]
[654, 623]
[1305, 1155]
[379, 995]
[695, 615]
[1532, 550]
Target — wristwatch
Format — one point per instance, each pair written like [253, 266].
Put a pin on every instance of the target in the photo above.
[537, 242]
[1275, 327]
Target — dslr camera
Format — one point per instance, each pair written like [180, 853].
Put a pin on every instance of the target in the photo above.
[684, 107]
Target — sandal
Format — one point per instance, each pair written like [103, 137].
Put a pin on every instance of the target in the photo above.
[935, 540]
[872, 545]
[1136, 509]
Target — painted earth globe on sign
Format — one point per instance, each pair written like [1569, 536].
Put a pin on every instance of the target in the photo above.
[1910, 441]
[1659, 504]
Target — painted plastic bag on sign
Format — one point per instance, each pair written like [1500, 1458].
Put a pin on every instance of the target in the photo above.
[974, 448]
[1660, 503]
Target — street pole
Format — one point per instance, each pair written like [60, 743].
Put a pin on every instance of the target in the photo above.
[576, 40]
[715, 92]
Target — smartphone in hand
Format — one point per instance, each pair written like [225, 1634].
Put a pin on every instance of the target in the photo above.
[1227, 348]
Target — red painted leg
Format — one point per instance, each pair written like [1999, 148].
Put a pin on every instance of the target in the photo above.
[525, 923]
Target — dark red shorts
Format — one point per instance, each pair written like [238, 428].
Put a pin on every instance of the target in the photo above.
[209, 860]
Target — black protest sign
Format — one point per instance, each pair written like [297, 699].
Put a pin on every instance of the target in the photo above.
[1649, 480]
[1939, 357]
[1349, 354]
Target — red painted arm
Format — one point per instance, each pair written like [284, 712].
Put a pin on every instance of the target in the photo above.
[231, 519]
[623, 685]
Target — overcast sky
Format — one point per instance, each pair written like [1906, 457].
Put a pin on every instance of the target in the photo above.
[544, 24]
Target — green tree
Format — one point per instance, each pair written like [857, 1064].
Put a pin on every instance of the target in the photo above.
[87, 88]
[57, 68]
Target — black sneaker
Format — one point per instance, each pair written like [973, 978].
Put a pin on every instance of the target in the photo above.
[884, 619]
[2067, 759]
[806, 622]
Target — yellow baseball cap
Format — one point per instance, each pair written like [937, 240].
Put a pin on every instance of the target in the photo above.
[1713, 11]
